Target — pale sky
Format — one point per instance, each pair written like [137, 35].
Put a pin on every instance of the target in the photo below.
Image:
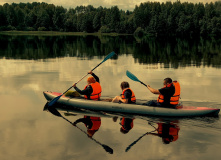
[122, 4]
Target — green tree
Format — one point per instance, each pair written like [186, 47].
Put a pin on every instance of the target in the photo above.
[20, 16]
[30, 19]
[97, 21]
[11, 15]
[43, 19]
[58, 18]
[3, 18]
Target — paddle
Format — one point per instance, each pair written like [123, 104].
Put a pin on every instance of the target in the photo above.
[56, 113]
[134, 78]
[53, 101]
[128, 148]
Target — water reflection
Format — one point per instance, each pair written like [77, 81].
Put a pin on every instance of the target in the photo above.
[126, 125]
[167, 131]
[92, 124]
[132, 144]
[171, 53]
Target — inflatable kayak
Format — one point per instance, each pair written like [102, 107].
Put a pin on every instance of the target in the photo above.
[138, 109]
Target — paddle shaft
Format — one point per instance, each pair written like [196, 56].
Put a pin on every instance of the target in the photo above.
[143, 83]
[107, 148]
[128, 148]
[81, 130]
[56, 113]
[53, 101]
[134, 78]
[82, 78]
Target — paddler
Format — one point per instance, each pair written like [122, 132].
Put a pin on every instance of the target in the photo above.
[168, 95]
[93, 88]
[127, 95]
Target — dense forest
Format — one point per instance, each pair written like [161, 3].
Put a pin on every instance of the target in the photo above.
[151, 18]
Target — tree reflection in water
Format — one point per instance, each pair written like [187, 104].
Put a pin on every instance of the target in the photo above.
[172, 53]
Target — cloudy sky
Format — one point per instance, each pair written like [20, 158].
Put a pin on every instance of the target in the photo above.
[122, 4]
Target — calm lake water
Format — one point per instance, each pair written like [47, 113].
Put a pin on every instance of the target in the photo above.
[30, 65]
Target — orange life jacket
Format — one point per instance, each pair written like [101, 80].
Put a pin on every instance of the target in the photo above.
[123, 123]
[173, 130]
[95, 95]
[174, 100]
[133, 98]
[96, 123]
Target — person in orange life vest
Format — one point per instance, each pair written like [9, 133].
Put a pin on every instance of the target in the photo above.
[127, 95]
[93, 88]
[126, 125]
[92, 124]
[167, 131]
[168, 95]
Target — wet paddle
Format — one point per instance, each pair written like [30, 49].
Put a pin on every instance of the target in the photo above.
[53, 101]
[56, 113]
[134, 78]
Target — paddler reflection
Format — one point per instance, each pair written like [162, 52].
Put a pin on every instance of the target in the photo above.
[92, 124]
[126, 125]
[167, 131]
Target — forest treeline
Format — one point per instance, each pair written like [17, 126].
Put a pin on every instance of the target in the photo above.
[151, 18]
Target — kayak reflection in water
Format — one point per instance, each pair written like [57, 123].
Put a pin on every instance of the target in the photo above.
[92, 124]
[167, 131]
[126, 125]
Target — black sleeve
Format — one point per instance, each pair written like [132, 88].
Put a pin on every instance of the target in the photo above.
[127, 94]
[169, 91]
[83, 120]
[96, 77]
[86, 91]
[86, 121]
[163, 91]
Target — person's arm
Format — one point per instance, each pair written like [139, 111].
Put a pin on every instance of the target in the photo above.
[83, 120]
[95, 77]
[120, 99]
[127, 95]
[124, 100]
[154, 91]
[86, 91]
[86, 121]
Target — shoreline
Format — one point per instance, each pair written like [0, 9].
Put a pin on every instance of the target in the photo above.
[56, 33]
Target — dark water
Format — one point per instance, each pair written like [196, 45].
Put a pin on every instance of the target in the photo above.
[30, 65]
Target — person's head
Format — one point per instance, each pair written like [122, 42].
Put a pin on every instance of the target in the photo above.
[91, 80]
[167, 140]
[167, 81]
[124, 85]
[124, 131]
[90, 133]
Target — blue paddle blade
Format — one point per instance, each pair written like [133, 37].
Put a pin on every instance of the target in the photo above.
[53, 101]
[54, 111]
[131, 76]
[109, 56]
